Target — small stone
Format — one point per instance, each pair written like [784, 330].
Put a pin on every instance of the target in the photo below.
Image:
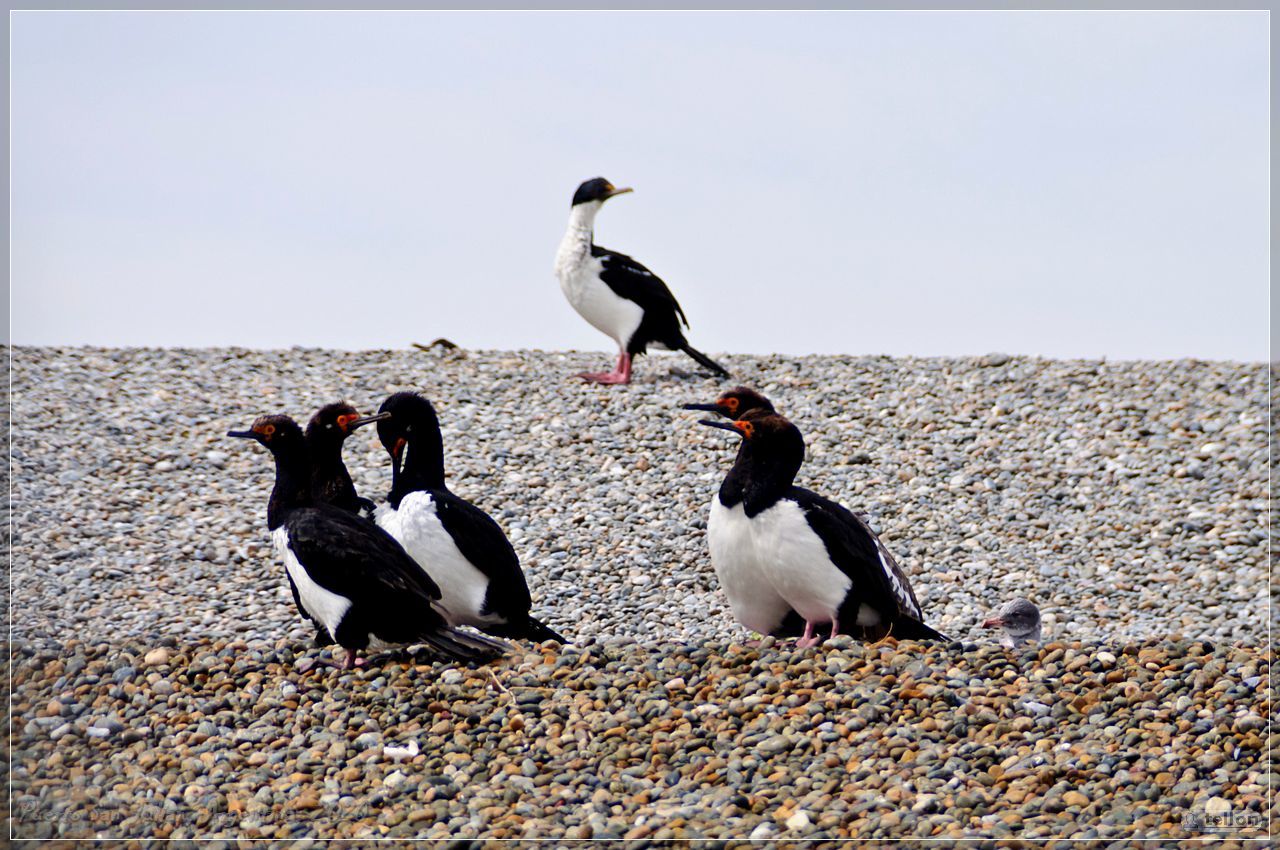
[798, 821]
[156, 657]
[1075, 798]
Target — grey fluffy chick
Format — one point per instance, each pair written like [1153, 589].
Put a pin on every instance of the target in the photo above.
[1020, 619]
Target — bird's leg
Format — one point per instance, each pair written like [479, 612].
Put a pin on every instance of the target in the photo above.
[352, 660]
[835, 628]
[808, 640]
[621, 373]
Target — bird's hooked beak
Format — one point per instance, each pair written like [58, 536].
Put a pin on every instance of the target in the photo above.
[614, 190]
[365, 420]
[992, 623]
[711, 408]
[244, 435]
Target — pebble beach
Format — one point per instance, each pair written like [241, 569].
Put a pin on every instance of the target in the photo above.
[164, 686]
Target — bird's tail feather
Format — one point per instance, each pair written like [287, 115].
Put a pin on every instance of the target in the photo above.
[704, 360]
[540, 631]
[464, 646]
[915, 630]
[527, 629]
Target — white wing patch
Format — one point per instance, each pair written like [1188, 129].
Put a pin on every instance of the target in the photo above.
[324, 605]
[419, 530]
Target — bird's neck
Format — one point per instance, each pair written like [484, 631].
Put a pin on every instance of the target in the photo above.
[292, 489]
[579, 234]
[757, 480]
[421, 467]
[329, 476]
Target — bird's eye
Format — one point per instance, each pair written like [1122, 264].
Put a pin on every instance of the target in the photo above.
[731, 403]
[268, 430]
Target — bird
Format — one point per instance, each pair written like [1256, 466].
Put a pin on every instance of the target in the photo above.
[347, 574]
[734, 403]
[752, 598]
[331, 484]
[615, 293]
[819, 558]
[462, 548]
[1020, 620]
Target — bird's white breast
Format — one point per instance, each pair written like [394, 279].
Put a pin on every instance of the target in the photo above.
[579, 275]
[752, 597]
[795, 560]
[324, 605]
[418, 529]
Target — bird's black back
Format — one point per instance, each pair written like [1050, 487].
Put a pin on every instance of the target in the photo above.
[663, 317]
[355, 558]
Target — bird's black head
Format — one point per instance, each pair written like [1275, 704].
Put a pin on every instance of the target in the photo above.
[333, 423]
[404, 415]
[735, 403]
[596, 189]
[276, 432]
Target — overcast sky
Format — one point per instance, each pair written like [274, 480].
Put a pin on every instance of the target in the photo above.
[1062, 184]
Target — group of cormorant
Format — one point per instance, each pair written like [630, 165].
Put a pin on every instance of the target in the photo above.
[426, 563]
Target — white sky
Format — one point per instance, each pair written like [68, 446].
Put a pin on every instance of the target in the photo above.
[1063, 184]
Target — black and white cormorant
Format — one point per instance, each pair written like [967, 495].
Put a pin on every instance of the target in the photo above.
[327, 431]
[617, 294]
[463, 548]
[348, 575]
[741, 573]
[818, 557]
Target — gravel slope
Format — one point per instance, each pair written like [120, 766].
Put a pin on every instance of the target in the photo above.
[1127, 500]
[157, 681]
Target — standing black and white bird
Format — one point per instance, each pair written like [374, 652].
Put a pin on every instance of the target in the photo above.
[1020, 621]
[326, 433]
[816, 555]
[459, 545]
[349, 575]
[615, 293]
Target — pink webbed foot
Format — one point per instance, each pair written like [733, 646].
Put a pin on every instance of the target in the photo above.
[621, 373]
[808, 639]
[605, 377]
[350, 660]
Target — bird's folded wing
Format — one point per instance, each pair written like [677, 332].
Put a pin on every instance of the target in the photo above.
[858, 552]
[353, 557]
[628, 278]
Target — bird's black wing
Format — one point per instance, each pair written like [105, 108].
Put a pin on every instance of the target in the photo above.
[629, 279]
[353, 557]
[858, 552]
[483, 542]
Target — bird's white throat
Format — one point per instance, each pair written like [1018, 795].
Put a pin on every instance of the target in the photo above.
[576, 244]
